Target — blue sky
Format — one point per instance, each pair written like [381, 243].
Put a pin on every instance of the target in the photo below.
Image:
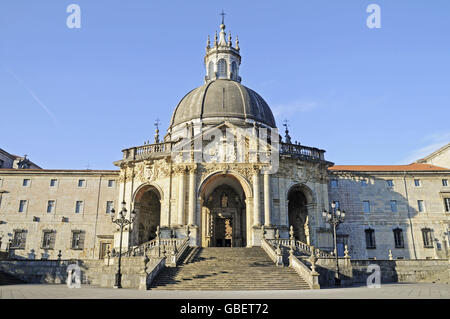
[76, 97]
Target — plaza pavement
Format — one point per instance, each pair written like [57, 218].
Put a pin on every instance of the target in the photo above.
[386, 291]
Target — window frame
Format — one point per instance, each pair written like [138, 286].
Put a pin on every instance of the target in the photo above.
[427, 237]
[399, 241]
[390, 183]
[83, 180]
[51, 244]
[368, 206]
[421, 206]
[24, 208]
[53, 208]
[79, 210]
[393, 201]
[370, 234]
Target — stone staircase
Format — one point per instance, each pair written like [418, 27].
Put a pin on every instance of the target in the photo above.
[7, 279]
[228, 269]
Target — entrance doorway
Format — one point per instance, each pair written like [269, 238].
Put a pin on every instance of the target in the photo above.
[298, 214]
[223, 232]
[148, 206]
[223, 218]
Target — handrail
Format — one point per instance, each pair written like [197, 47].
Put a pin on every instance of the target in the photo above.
[298, 245]
[310, 276]
[276, 257]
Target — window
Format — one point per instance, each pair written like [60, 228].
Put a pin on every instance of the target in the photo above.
[398, 238]
[111, 183]
[23, 205]
[77, 239]
[79, 206]
[48, 239]
[222, 69]
[420, 205]
[211, 70]
[417, 182]
[334, 183]
[50, 206]
[370, 239]
[390, 183]
[427, 237]
[364, 182]
[393, 206]
[26, 182]
[234, 69]
[53, 182]
[81, 183]
[19, 239]
[366, 206]
[445, 182]
[447, 204]
[338, 204]
[1, 163]
[109, 206]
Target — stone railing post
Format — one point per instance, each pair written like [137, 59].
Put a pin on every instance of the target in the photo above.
[346, 255]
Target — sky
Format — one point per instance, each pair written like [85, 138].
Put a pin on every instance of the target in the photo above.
[73, 98]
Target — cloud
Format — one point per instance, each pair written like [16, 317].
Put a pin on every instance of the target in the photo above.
[433, 142]
[33, 95]
[289, 109]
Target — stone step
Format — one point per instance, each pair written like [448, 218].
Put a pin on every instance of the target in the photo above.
[228, 269]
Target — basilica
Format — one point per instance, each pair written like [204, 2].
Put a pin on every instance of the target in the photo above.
[223, 175]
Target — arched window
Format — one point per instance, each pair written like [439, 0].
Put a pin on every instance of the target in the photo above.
[222, 69]
[211, 70]
[234, 69]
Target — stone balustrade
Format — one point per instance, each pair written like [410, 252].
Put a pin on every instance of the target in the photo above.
[302, 151]
[145, 151]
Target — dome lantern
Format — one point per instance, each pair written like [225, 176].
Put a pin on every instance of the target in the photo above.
[222, 60]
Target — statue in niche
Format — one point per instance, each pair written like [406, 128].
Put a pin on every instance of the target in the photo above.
[306, 226]
[224, 201]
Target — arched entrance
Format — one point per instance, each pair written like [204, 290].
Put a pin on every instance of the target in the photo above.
[147, 204]
[298, 212]
[223, 218]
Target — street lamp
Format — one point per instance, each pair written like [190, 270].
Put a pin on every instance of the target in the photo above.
[334, 218]
[121, 221]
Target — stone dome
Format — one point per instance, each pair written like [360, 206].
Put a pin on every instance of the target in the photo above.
[222, 99]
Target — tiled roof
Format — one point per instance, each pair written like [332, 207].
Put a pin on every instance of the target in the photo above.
[388, 168]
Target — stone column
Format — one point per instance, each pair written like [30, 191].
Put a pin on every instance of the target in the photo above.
[192, 197]
[256, 201]
[181, 196]
[267, 200]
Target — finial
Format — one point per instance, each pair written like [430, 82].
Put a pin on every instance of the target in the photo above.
[229, 39]
[287, 136]
[237, 43]
[215, 39]
[208, 43]
[157, 131]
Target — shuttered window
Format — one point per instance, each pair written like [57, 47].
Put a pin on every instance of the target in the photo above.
[78, 239]
[48, 239]
[20, 238]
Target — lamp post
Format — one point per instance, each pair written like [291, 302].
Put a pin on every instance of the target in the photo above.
[334, 218]
[121, 221]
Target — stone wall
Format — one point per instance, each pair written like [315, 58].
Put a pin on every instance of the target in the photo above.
[355, 187]
[355, 271]
[100, 273]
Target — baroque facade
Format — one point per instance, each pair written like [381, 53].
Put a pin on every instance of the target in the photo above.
[220, 173]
